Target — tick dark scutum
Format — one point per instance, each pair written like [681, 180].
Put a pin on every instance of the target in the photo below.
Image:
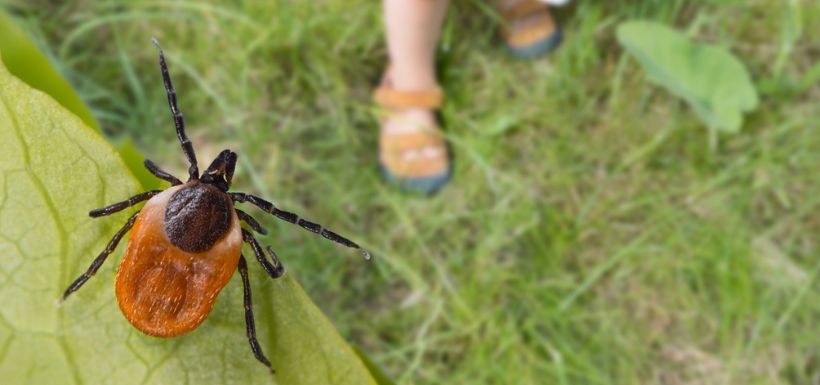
[197, 216]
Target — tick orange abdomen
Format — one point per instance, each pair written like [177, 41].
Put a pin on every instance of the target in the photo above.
[164, 291]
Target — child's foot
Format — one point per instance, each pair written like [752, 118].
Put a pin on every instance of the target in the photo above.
[529, 30]
[412, 152]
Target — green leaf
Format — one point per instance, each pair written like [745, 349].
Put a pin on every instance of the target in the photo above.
[375, 370]
[27, 63]
[134, 159]
[712, 80]
[54, 169]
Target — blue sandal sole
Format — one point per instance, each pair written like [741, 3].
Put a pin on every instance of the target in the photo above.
[425, 185]
[538, 48]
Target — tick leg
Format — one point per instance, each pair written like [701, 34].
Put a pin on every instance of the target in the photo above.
[250, 325]
[245, 217]
[112, 244]
[179, 121]
[293, 218]
[119, 206]
[275, 269]
[160, 173]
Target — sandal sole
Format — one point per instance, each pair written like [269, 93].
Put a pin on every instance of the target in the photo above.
[425, 184]
[538, 48]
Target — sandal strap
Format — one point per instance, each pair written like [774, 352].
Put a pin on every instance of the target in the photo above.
[394, 146]
[523, 9]
[402, 142]
[393, 98]
[537, 30]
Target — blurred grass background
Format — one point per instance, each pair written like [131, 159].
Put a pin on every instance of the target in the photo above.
[590, 235]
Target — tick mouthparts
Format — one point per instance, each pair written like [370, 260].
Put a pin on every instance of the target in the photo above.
[366, 255]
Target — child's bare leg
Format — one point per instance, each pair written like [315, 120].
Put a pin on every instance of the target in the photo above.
[413, 29]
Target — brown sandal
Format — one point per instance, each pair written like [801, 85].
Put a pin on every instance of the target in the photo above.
[532, 40]
[416, 160]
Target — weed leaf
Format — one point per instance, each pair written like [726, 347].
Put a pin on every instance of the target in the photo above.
[712, 80]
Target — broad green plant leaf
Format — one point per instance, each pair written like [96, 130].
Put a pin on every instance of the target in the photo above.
[54, 169]
[375, 370]
[27, 63]
[712, 80]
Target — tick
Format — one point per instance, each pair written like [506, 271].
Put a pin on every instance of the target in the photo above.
[186, 243]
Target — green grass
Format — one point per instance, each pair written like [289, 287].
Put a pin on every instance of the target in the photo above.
[590, 236]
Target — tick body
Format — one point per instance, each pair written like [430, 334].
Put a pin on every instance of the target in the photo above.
[168, 280]
[186, 243]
